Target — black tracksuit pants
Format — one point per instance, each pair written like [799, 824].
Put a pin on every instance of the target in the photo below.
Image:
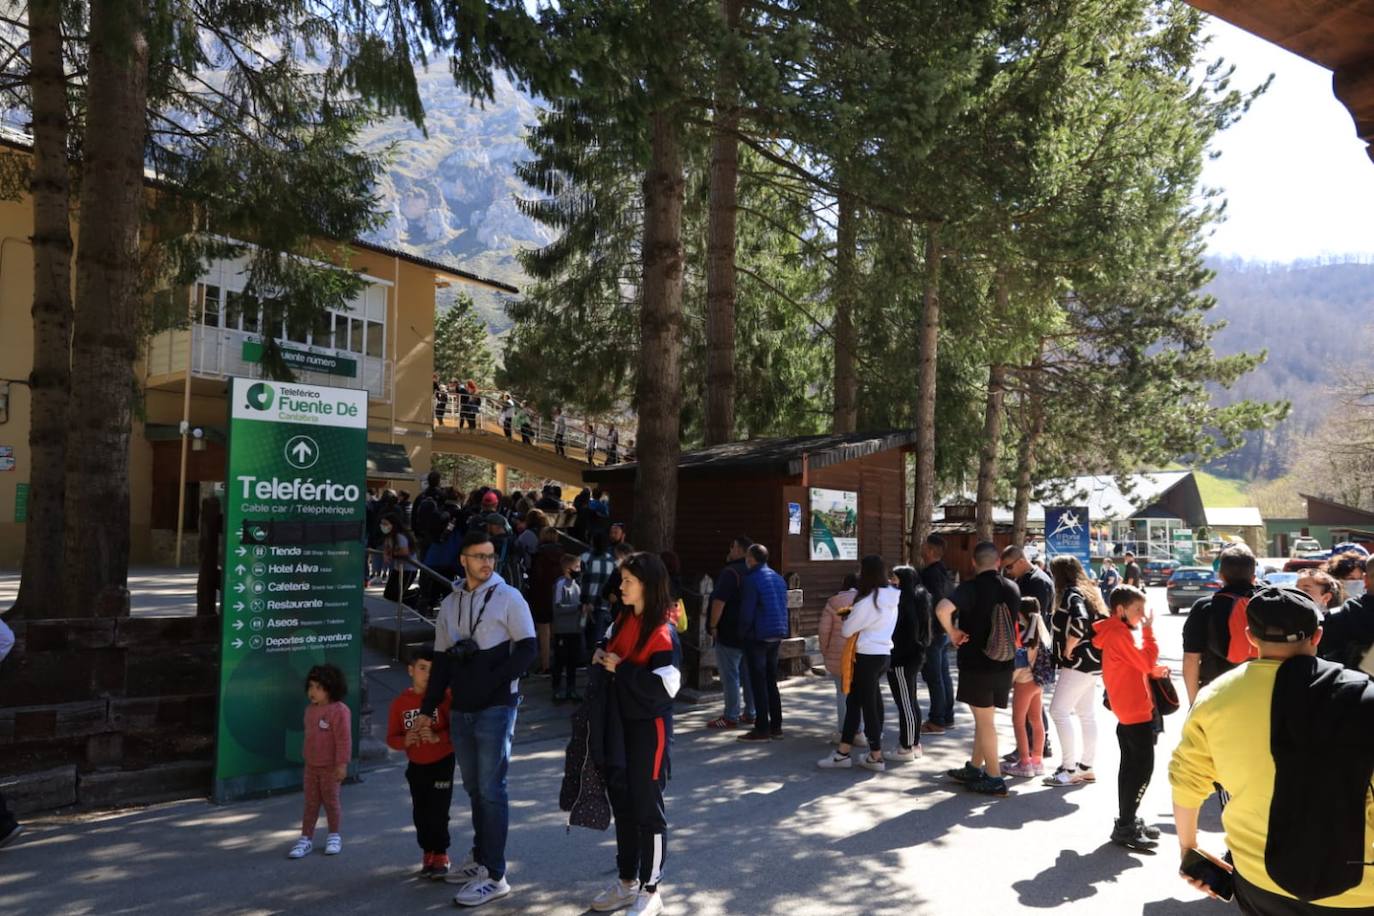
[1137, 766]
[865, 699]
[568, 652]
[901, 679]
[431, 794]
[636, 792]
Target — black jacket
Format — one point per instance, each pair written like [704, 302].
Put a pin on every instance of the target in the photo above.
[1348, 633]
[911, 636]
[1322, 739]
[583, 793]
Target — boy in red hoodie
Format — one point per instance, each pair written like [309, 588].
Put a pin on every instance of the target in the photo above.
[430, 772]
[1126, 672]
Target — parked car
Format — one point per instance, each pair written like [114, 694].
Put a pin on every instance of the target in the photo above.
[1306, 547]
[1157, 572]
[1189, 584]
[1282, 579]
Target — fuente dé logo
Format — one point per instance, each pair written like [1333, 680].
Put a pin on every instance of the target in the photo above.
[259, 396]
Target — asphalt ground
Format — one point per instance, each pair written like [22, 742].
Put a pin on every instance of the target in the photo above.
[754, 829]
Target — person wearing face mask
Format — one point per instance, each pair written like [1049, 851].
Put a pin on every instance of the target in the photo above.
[397, 545]
[1349, 633]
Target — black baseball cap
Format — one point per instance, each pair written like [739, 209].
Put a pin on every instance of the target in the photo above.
[1282, 615]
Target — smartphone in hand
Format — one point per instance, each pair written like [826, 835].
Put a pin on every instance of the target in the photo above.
[1210, 871]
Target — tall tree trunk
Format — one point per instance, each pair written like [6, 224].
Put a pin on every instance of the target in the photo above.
[720, 246]
[927, 353]
[987, 460]
[107, 316]
[846, 383]
[1025, 463]
[658, 389]
[41, 580]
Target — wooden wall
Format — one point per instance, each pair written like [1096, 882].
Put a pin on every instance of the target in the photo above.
[712, 509]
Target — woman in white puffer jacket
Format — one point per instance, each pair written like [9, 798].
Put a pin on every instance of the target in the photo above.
[872, 620]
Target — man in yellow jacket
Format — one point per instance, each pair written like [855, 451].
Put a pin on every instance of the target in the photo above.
[1292, 739]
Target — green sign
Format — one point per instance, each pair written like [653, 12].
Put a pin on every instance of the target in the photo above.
[21, 502]
[293, 571]
[1185, 551]
[304, 359]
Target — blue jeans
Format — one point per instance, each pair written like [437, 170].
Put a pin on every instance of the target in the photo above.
[936, 674]
[734, 674]
[481, 742]
[840, 698]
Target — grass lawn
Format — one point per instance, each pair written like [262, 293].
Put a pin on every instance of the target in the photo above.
[1221, 492]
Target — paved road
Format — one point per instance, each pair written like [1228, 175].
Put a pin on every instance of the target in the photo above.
[755, 829]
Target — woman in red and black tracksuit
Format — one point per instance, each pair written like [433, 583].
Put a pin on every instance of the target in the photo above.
[641, 653]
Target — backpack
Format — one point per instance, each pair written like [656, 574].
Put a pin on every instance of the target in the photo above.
[567, 618]
[1001, 642]
[1226, 638]
[427, 520]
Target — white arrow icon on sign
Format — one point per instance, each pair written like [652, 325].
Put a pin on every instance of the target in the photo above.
[237, 644]
[242, 551]
[238, 605]
[240, 569]
[238, 624]
[239, 588]
[302, 452]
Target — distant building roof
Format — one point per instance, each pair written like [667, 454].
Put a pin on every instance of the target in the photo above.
[1238, 517]
[17, 139]
[775, 456]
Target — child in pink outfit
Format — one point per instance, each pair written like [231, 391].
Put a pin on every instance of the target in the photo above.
[328, 746]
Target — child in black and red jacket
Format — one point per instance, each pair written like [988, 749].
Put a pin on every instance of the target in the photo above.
[430, 771]
[641, 653]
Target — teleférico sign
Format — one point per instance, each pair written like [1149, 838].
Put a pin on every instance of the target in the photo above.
[293, 570]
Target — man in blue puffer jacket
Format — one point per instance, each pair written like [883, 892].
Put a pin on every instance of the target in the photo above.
[762, 626]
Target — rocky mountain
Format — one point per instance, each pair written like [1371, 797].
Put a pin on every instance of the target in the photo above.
[451, 194]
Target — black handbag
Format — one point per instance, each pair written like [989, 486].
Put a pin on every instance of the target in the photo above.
[1165, 695]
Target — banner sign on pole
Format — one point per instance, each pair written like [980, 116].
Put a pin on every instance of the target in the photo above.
[293, 571]
[1067, 532]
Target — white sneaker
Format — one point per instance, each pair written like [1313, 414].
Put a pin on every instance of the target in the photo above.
[905, 753]
[646, 904]
[1083, 774]
[466, 873]
[484, 890]
[869, 762]
[1059, 778]
[334, 845]
[617, 895]
[302, 848]
[835, 761]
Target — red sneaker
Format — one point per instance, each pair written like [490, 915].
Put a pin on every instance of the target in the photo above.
[746, 720]
[427, 866]
[721, 722]
[438, 866]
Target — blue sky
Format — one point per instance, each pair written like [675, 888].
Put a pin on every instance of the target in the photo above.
[1297, 180]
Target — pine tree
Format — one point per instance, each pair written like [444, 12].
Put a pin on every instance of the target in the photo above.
[460, 344]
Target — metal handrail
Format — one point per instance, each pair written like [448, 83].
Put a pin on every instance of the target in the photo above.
[542, 432]
[401, 607]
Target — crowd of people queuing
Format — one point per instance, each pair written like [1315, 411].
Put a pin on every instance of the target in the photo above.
[462, 403]
[1273, 680]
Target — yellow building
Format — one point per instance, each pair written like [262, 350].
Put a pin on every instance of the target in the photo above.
[383, 343]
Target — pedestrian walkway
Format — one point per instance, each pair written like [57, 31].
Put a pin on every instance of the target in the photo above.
[753, 830]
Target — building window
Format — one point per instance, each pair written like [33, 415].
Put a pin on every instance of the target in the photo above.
[322, 334]
[376, 338]
[208, 296]
[355, 336]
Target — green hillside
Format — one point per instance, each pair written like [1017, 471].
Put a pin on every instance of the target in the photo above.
[1221, 492]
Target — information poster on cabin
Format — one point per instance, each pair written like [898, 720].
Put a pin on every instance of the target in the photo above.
[293, 571]
[834, 524]
[1067, 532]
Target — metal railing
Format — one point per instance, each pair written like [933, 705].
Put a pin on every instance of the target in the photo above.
[541, 432]
[399, 565]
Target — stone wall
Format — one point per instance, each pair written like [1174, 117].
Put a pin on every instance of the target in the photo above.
[95, 707]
